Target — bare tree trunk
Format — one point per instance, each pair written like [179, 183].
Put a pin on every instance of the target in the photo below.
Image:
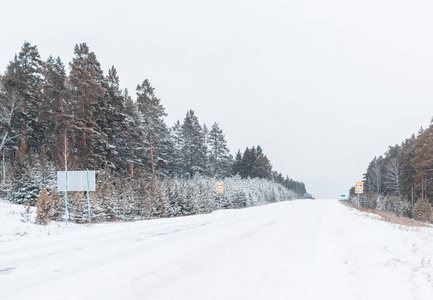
[411, 189]
[151, 156]
[83, 115]
[25, 125]
[131, 164]
[159, 177]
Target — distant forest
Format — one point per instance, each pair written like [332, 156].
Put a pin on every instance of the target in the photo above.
[401, 181]
[52, 120]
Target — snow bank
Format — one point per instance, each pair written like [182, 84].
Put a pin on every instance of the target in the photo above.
[14, 225]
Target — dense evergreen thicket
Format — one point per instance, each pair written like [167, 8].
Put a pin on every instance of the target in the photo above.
[401, 181]
[54, 120]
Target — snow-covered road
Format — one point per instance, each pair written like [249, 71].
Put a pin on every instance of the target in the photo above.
[304, 249]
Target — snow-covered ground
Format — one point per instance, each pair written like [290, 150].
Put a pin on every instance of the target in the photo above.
[303, 249]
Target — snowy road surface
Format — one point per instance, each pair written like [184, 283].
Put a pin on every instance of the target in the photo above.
[304, 249]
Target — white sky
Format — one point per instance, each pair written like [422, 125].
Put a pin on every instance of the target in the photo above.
[322, 86]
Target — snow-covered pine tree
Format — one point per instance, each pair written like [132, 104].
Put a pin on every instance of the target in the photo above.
[205, 190]
[112, 121]
[155, 130]
[52, 117]
[177, 159]
[80, 208]
[262, 168]
[104, 200]
[144, 199]
[171, 195]
[194, 147]
[26, 185]
[220, 160]
[134, 134]
[129, 205]
[237, 164]
[23, 78]
[87, 92]
[160, 204]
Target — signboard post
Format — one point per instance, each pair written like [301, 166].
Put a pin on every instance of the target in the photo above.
[220, 190]
[359, 189]
[76, 181]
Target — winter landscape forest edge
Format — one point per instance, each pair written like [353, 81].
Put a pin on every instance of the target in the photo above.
[51, 121]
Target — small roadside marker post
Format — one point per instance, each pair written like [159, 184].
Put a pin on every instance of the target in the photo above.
[359, 189]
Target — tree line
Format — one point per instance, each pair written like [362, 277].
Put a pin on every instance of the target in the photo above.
[54, 120]
[401, 181]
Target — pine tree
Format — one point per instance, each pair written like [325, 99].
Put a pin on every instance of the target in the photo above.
[177, 161]
[219, 154]
[134, 134]
[237, 164]
[194, 148]
[52, 116]
[422, 162]
[9, 137]
[87, 92]
[262, 167]
[153, 125]
[23, 78]
[112, 120]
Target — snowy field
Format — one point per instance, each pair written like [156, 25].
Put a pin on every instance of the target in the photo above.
[303, 249]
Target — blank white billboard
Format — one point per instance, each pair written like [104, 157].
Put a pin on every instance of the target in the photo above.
[77, 181]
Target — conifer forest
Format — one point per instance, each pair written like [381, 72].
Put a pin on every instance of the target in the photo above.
[399, 182]
[57, 117]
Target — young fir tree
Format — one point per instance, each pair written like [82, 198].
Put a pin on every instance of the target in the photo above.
[43, 208]
[422, 210]
[170, 190]
[144, 199]
[27, 184]
[158, 200]
[105, 196]
[57, 206]
[80, 208]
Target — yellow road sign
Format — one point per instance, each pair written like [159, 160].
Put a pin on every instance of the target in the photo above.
[359, 187]
[220, 187]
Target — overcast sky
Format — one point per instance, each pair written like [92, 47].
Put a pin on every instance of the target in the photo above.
[322, 86]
